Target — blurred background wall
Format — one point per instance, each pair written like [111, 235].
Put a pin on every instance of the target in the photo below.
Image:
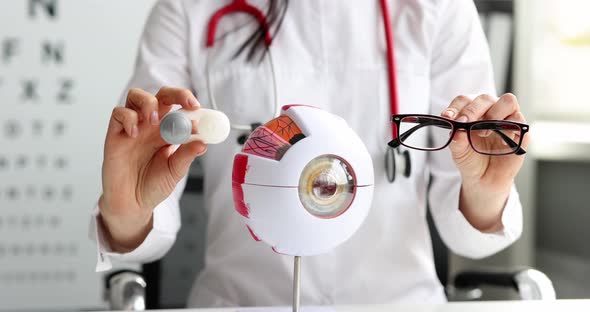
[64, 64]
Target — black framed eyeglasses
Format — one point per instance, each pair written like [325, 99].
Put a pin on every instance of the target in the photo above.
[433, 133]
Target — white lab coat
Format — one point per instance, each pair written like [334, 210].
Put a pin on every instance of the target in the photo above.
[330, 54]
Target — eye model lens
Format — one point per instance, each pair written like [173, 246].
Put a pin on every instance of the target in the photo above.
[327, 186]
[324, 186]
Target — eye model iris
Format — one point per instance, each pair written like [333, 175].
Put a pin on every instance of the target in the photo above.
[327, 186]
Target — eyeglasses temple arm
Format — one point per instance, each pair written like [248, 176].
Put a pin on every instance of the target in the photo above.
[394, 143]
[510, 142]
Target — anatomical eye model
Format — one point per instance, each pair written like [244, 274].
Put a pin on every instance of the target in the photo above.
[317, 168]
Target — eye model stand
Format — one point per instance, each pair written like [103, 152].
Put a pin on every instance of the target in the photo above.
[296, 283]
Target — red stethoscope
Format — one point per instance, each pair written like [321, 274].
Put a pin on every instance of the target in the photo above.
[396, 160]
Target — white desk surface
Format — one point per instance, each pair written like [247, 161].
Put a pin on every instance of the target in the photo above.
[495, 306]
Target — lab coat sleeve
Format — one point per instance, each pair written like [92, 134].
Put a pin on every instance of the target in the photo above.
[461, 66]
[166, 223]
[162, 60]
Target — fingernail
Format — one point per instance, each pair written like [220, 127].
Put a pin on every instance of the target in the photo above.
[134, 131]
[462, 118]
[154, 118]
[202, 150]
[193, 102]
[449, 113]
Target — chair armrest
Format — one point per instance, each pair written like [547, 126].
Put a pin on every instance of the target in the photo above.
[125, 290]
[531, 284]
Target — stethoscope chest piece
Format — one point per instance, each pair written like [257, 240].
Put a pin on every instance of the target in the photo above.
[397, 162]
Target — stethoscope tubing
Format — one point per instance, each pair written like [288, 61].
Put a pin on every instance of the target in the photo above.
[235, 126]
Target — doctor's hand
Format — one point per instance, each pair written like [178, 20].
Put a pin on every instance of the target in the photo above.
[140, 169]
[486, 180]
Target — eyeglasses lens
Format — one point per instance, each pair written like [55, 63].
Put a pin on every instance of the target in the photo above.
[424, 132]
[495, 138]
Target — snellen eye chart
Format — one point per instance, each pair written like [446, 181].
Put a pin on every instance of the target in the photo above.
[64, 65]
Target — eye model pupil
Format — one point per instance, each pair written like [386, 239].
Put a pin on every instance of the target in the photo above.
[324, 186]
